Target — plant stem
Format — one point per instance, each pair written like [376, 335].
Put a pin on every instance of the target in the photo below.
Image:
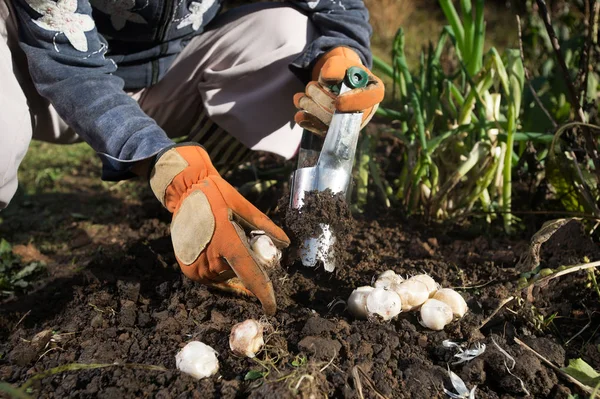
[507, 173]
[454, 20]
[383, 66]
[476, 60]
[594, 282]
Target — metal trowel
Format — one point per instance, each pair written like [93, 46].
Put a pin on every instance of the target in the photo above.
[327, 164]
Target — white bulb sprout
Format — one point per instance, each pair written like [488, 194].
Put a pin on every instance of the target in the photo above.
[413, 294]
[384, 303]
[197, 359]
[246, 338]
[264, 249]
[388, 280]
[435, 314]
[426, 279]
[357, 302]
[454, 300]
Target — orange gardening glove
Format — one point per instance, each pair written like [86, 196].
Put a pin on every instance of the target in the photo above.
[209, 222]
[318, 102]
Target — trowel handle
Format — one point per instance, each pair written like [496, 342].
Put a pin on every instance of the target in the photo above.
[356, 78]
[310, 145]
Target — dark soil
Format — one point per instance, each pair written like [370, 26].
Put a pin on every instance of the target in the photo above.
[319, 207]
[115, 297]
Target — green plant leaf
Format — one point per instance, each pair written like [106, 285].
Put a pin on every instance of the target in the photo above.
[5, 247]
[12, 391]
[27, 271]
[582, 372]
[254, 375]
[299, 361]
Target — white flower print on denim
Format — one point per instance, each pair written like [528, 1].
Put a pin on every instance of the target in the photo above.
[197, 14]
[60, 17]
[119, 11]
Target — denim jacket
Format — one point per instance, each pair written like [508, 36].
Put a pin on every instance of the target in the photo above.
[84, 54]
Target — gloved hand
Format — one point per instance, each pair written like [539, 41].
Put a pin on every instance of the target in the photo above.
[318, 102]
[209, 218]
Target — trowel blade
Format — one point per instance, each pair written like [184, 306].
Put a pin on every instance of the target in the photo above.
[319, 249]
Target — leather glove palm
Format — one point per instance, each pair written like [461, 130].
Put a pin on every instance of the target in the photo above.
[209, 218]
[318, 102]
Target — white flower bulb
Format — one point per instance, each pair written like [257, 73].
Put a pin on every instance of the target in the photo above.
[413, 294]
[435, 314]
[384, 303]
[197, 359]
[264, 249]
[453, 299]
[357, 302]
[388, 280]
[246, 338]
[426, 279]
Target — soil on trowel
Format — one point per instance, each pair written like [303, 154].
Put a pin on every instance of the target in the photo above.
[319, 208]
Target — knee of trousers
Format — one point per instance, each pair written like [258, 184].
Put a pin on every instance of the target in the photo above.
[289, 29]
[15, 137]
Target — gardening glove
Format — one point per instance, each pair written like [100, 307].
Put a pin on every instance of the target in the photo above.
[317, 104]
[209, 222]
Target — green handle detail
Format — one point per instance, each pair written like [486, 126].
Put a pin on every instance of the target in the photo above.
[356, 78]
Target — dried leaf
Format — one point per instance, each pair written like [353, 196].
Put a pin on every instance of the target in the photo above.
[470, 354]
[464, 355]
[459, 386]
[532, 258]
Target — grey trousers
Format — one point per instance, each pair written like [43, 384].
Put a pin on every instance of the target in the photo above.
[230, 89]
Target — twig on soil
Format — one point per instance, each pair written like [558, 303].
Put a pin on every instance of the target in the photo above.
[580, 331]
[334, 303]
[302, 377]
[474, 287]
[490, 317]
[329, 363]
[85, 366]
[590, 142]
[357, 372]
[528, 78]
[21, 319]
[553, 367]
[48, 351]
[509, 369]
[357, 382]
[571, 269]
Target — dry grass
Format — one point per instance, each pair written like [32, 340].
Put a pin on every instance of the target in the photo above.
[386, 16]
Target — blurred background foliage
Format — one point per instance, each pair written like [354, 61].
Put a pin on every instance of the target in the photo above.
[478, 109]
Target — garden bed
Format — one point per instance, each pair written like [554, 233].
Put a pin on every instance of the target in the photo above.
[114, 300]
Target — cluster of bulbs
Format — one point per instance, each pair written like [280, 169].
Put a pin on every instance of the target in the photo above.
[391, 295]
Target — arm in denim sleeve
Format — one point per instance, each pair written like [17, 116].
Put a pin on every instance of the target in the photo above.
[66, 60]
[340, 23]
